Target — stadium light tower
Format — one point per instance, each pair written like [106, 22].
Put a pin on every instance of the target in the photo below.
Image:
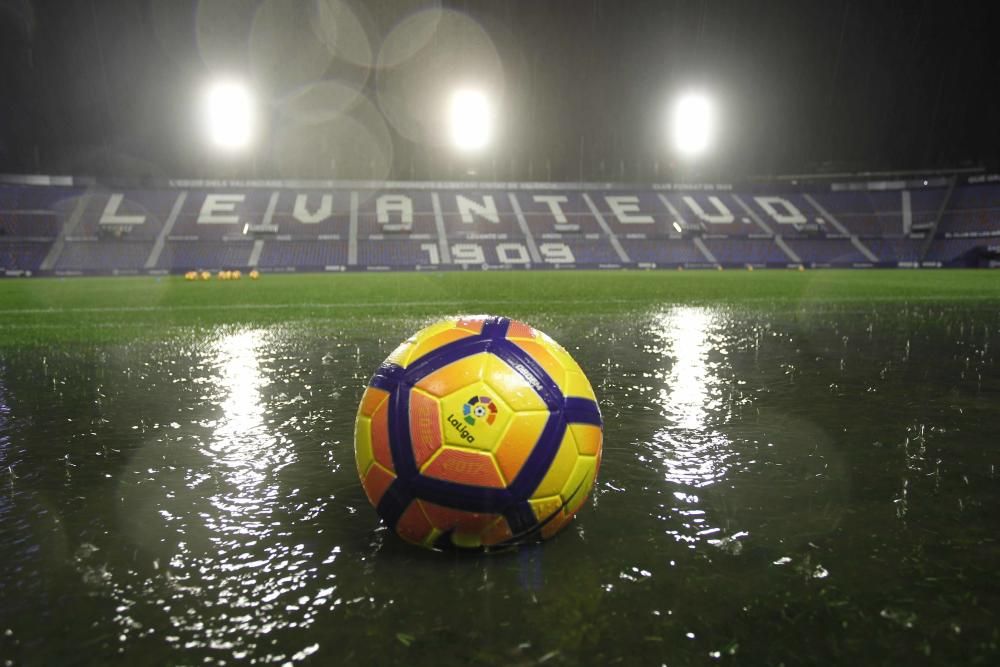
[692, 124]
[229, 115]
[470, 120]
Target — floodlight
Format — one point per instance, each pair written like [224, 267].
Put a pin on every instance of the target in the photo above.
[229, 115]
[470, 120]
[693, 124]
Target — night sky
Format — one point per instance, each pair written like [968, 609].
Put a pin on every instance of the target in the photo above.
[101, 87]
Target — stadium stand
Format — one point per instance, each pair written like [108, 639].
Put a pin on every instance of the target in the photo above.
[664, 252]
[973, 210]
[54, 198]
[397, 253]
[925, 204]
[70, 228]
[111, 255]
[138, 216]
[22, 256]
[866, 213]
[198, 255]
[304, 255]
[952, 251]
[551, 212]
[741, 251]
[826, 252]
[900, 250]
[713, 214]
[590, 251]
[44, 225]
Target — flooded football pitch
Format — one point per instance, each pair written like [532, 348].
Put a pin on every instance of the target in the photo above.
[779, 485]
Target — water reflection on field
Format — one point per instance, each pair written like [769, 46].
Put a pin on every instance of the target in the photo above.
[778, 486]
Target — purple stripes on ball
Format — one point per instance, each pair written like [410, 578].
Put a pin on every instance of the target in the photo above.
[511, 501]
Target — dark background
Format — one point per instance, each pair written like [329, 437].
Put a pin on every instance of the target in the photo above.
[109, 87]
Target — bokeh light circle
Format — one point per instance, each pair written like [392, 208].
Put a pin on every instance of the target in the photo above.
[347, 146]
[422, 60]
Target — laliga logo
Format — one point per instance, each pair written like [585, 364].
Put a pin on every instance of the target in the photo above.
[478, 407]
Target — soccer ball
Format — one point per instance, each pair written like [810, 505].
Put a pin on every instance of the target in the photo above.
[476, 433]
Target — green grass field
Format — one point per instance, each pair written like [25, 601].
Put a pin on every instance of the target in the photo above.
[123, 309]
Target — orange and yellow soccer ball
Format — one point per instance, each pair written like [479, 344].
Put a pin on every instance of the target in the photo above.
[478, 432]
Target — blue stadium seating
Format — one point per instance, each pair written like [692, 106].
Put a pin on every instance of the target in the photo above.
[205, 255]
[337, 224]
[979, 197]
[826, 251]
[22, 255]
[104, 255]
[305, 255]
[981, 221]
[896, 249]
[950, 250]
[725, 215]
[76, 229]
[392, 252]
[591, 251]
[30, 224]
[746, 251]
[925, 203]
[865, 213]
[664, 252]
[39, 198]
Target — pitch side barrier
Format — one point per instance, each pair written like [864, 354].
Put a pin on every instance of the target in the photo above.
[66, 226]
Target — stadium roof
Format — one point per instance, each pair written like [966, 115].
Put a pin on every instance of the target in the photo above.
[352, 89]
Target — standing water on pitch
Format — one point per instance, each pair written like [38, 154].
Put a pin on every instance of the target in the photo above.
[778, 485]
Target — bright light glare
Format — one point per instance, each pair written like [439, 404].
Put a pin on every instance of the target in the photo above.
[471, 120]
[693, 124]
[229, 112]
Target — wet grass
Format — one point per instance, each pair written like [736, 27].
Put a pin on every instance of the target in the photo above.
[88, 310]
[798, 473]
